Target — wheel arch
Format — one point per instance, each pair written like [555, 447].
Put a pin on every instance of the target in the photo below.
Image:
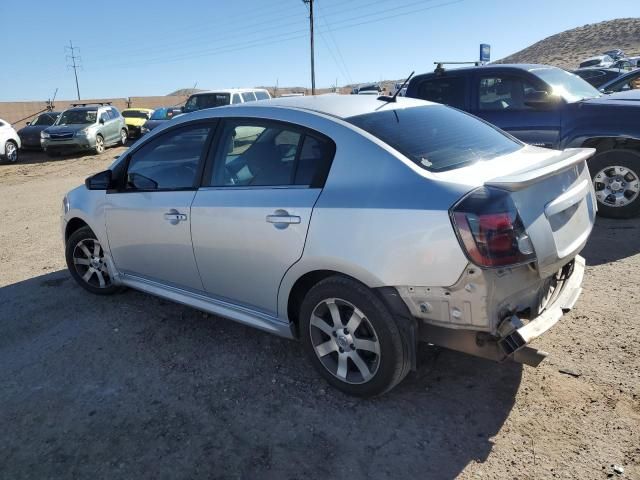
[73, 225]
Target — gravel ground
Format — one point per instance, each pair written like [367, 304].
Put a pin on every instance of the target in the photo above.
[132, 386]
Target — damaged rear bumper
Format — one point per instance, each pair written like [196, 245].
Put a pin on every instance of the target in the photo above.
[511, 341]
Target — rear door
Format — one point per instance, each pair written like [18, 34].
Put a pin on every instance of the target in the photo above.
[149, 217]
[500, 99]
[250, 218]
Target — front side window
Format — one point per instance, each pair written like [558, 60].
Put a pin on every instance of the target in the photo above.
[436, 137]
[104, 117]
[269, 154]
[45, 119]
[168, 162]
[504, 93]
[447, 90]
[628, 82]
[236, 99]
[248, 97]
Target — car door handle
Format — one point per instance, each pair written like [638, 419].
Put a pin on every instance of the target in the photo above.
[173, 216]
[281, 218]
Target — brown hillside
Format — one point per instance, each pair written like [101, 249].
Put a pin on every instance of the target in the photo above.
[569, 48]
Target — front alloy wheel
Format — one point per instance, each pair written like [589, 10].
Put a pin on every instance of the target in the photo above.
[11, 151]
[99, 144]
[616, 182]
[87, 263]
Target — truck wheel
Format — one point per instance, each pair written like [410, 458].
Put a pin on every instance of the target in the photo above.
[351, 337]
[616, 180]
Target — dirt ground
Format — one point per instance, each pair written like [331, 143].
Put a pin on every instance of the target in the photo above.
[132, 386]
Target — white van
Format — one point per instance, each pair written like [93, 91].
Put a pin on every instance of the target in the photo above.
[219, 98]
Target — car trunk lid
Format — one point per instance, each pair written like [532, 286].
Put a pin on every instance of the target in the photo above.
[556, 202]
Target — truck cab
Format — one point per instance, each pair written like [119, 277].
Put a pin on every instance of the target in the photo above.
[549, 107]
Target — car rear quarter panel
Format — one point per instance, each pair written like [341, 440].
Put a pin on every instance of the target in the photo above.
[380, 219]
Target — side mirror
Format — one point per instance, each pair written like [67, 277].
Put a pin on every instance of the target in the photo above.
[101, 121]
[182, 109]
[100, 181]
[28, 123]
[541, 100]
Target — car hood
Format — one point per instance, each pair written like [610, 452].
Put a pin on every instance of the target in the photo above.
[31, 130]
[68, 128]
[151, 124]
[617, 98]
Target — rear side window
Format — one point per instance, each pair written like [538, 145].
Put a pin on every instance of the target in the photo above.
[266, 154]
[436, 137]
[446, 90]
[248, 97]
[262, 95]
[236, 99]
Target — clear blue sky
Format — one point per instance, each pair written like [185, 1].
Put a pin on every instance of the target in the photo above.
[133, 47]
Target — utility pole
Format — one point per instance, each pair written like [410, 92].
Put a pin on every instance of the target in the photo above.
[313, 72]
[73, 57]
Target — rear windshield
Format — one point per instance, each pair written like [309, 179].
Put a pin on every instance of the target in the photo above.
[135, 114]
[436, 137]
[208, 100]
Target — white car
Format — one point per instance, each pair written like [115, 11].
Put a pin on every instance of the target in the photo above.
[220, 98]
[602, 61]
[9, 142]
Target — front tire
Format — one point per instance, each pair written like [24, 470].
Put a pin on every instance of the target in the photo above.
[11, 151]
[99, 148]
[351, 338]
[616, 180]
[87, 264]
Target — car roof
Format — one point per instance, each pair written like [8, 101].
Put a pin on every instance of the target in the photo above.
[133, 109]
[95, 107]
[340, 106]
[528, 67]
[230, 90]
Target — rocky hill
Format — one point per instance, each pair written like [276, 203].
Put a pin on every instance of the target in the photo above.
[567, 49]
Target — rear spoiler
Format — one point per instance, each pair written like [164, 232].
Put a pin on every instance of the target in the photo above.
[525, 178]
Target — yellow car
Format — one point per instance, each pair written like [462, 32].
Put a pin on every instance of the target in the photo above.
[135, 118]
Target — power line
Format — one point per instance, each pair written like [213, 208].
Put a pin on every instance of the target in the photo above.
[344, 67]
[287, 36]
[73, 57]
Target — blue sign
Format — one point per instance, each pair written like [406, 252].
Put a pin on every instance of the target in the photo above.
[485, 52]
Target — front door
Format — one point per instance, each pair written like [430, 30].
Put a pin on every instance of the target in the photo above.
[501, 100]
[250, 220]
[149, 217]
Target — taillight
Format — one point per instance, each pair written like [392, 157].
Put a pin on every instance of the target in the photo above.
[490, 229]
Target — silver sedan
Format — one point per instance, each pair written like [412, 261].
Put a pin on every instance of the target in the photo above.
[356, 224]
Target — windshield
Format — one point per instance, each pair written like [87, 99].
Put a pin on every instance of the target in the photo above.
[437, 137]
[135, 114]
[209, 100]
[77, 117]
[45, 119]
[566, 85]
[163, 114]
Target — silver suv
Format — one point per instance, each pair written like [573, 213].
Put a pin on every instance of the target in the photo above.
[359, 225]
[85, 127]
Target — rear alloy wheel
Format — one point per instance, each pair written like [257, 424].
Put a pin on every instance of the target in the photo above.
[351, 338]
[616, 183]
[11, 151]
[87, 263]
[123, 136]
[99, 144]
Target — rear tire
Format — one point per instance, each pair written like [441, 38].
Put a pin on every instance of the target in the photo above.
[351, 338]
[616, 179]
[123, 137]
[87, 264]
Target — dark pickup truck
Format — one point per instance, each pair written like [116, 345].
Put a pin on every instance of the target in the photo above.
[549, 107]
